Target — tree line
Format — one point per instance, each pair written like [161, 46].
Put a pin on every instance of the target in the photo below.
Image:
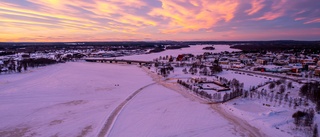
[12, 66]
[311, 91]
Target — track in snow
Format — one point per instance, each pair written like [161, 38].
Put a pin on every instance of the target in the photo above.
[111, 119]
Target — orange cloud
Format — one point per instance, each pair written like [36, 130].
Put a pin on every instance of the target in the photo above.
[58, 17]
[68, 20]
[203, 14]
[256, 5]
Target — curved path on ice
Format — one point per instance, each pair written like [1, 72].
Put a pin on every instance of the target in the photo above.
[111, 119]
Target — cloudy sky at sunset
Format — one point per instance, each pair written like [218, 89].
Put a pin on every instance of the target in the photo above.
[145, 20]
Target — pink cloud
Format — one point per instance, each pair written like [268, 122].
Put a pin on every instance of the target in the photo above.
[256, 6]
[313, 21]
[297, 19]
[277, 10]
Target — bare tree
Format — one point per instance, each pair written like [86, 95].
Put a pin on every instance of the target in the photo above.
[282, 89]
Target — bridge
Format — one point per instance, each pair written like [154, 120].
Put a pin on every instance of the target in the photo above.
[109, 60]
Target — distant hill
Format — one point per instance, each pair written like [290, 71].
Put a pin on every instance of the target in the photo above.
[307, 46]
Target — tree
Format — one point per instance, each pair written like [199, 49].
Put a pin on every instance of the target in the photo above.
[278, 82]
[309, 118]
[290, 103]
[271, 98]
[226, 97]
[19, 68]
[315, 131]
[297, 117]
[282, 89]
[272, 85]
[318, 106]
[286, 97]
[289, 85]
[303, 90]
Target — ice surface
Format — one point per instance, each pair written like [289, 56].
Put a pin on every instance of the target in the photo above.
[65, 99]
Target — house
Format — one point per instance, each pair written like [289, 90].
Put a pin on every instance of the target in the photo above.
[281, 62]
[180, 57]
[317, 72]
[226, 62]
[318, 63]
[246, 61]
[312, 67]
[1, 64]
[307, 61]
[237, 65]
[293, 60]
[262, 61]
[242, 56]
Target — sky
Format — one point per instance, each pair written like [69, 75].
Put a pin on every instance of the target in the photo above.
[154, 20]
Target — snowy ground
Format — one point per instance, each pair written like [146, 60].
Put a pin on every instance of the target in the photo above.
[248, 80]
[71, 99]
[273, 121]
